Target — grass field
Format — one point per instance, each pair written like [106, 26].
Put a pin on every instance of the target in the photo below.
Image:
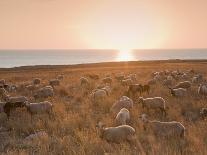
[73, 129]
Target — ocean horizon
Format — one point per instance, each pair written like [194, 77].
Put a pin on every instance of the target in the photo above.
[17, 58]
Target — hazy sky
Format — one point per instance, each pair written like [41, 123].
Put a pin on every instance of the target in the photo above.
[114, 24]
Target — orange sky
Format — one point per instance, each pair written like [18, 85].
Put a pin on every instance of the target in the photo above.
[112, 24]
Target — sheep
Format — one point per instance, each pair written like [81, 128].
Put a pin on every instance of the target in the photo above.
[16, 99]
[153, 103]
[133, 77]
[185, 85]
[123, 102]
[107, 89]
[122, 117]
[84, 81]
[54, 82]
[117, 134]
[126, 82]
[198, 78]
[44, 92]
[99, 94]
[38, 108]
[202, 90]
[179, 92]
[36, 81]
[164, 129]
[60, 77]
[119, 76]
[13, 103]
[203, 113]
[134, 88]
[107, 80]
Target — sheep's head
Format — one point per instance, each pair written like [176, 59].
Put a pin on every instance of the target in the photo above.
[144, 118]
[101, 128]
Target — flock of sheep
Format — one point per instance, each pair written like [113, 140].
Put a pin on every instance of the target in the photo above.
[121, 108]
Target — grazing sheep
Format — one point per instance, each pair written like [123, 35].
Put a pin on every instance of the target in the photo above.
[123, 102]
[107, 89]
[99, 94]
[123, 117]
[146, 88]
[164, 129]
[179, 92]
[134, 88]
[133, 77]
[60, 77]
[153, 103]
[16, 99]
[36, 81]
[107, 80]
[203, 113]
[126, 82]
[44, 92]
[122, 133]
[185, 85]
[38, 108]
[35, 136]
[54, 82]
[119, 76]
[84, 81]
[202, 90]
[14, 102]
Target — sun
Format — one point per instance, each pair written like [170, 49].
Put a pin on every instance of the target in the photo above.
[125, 55]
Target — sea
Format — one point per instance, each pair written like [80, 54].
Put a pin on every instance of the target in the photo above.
[17, 58]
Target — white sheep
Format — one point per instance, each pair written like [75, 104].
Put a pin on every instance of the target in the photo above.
[179, 92]
[123, 102]
[122, 117]
[153, 103]
[38, 108]
[122, 133]
[54, 82]
[16, 99]
[133, 77]
[202, 89]
[44, 92]
[99, 95]
[84, 81]
[185, 85]
[164, 129]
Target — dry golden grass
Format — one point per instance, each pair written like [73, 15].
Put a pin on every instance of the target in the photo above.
[73, 130]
